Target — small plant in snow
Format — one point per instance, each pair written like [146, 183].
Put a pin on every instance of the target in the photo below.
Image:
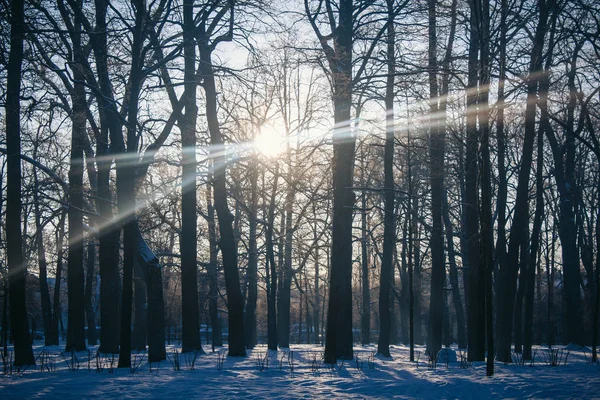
[283, 354]
[291, 361]
[175, 360]
[262, 361]
[46, 361]
[136, 361]
[358, 363]
[220, 360]
[463, 360]
[73, 362]
[517, 358]
[432, 360]
[190, 360]
[315, 365]
[371, 361]
[556, 357]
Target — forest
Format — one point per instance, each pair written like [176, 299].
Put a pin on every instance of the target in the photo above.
[331, 172]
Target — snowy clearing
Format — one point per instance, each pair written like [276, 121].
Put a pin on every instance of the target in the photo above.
[299, 374]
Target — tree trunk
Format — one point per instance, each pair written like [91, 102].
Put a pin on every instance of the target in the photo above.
[365, 321]
[533, 252]
[436, 158]
[475, 291]
[75, 274]
[389, 226]
[250, 314]
[190, 316]
[235, 305]
[271, 269]
[338, 343]
[456, 296]
[42, 264]
[108, 254]
[487, 222]
[17, 267]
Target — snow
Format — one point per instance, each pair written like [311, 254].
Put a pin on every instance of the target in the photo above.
[243, 378]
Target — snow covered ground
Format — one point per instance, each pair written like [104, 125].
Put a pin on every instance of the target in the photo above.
[299, 374]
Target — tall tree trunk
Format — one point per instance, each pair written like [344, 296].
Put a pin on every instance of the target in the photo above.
[190, 317]
[75, 274]
[108, 253]
[456, 296]
[17, 267]
[436, 159]
[338, 343]
[501, 142]
[487, 222]
[475, 291]
[389, 225]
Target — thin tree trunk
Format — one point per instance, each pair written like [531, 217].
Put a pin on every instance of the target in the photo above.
[252, 271]
[487, 223]
[272, 269]
[533, 252]
[42, 264]
[456, 296]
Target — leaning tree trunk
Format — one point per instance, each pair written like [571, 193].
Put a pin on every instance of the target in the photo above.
[229, 252]
[508, 272]
[17, 267]
[533, 252]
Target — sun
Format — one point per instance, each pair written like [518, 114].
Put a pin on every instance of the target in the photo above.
[269, 142]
